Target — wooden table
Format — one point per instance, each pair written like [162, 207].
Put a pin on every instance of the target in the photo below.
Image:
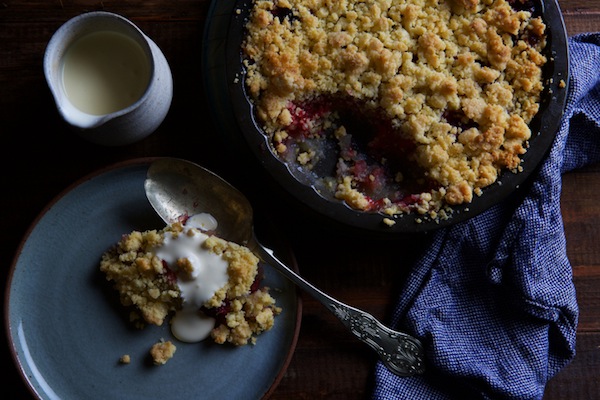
[41, 157]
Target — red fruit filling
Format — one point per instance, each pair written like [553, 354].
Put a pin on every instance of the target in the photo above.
[220, 313]
[170, 275]
[374, 152]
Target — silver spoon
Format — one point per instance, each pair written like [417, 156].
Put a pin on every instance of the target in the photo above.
[177, 188]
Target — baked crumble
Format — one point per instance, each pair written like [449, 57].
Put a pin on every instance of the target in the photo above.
[155, 289]
[408, 106]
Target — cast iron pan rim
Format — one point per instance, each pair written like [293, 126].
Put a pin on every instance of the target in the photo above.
[544, 128]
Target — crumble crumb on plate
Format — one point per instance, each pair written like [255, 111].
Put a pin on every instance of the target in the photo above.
[162, 352]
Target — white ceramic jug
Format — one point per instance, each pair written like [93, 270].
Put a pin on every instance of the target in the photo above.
[120, 126]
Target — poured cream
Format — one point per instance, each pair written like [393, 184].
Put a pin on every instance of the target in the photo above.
[208, 275]
[203, 221]
[104, 72]
[191, 325]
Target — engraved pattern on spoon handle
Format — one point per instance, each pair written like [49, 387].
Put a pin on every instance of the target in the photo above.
[401, 353]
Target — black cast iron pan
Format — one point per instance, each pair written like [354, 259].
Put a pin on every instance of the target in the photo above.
[544, 127]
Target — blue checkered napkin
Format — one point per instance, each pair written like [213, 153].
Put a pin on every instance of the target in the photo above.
[492, 299]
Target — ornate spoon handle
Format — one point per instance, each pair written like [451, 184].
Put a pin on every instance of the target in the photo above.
[401, 353]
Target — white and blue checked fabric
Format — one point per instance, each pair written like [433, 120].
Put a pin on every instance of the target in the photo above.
[492, 299]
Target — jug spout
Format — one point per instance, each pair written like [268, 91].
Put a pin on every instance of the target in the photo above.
[77, 118]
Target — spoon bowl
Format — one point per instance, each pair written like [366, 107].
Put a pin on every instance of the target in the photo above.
[178, 189]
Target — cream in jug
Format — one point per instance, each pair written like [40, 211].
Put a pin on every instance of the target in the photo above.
[104, 72]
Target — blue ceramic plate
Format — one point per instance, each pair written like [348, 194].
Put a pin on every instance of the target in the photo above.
[68, 331]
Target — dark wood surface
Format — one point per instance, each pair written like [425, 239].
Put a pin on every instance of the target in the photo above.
[41, 157]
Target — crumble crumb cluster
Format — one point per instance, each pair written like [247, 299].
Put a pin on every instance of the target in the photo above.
[148, 284]
[445, 90]
[162, 351]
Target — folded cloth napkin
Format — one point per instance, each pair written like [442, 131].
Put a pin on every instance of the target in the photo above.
[492, 299]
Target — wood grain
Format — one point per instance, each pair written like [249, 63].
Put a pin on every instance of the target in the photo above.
[329, 363]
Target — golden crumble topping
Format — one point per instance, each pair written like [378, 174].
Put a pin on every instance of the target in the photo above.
[455, 82]
[149, 285]
[140, 277]
[162, 352]
[248, 315]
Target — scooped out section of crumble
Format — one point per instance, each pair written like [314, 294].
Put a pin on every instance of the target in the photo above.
[397, 106]
[209, 286]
